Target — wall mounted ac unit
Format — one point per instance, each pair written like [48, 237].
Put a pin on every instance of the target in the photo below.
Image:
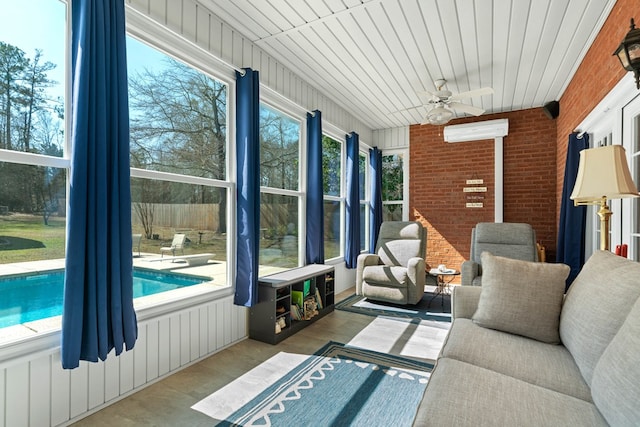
[489, 129]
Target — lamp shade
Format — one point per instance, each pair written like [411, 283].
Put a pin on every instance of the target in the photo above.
[603, 172]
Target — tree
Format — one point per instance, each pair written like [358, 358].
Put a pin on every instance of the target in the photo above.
[33, 97]
[392, 177]
[279, 150]
[12, 66]
[28, 122]
[145, 212]
[331, 160]
[179, 124]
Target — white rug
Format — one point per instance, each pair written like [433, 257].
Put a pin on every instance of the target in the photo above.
[229, 399]
[403, 337]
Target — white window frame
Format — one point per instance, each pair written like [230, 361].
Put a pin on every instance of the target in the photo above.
[364, 150]
[341, 199]
[405, 181]
[282, 105]
[157, 37]
[631, 143]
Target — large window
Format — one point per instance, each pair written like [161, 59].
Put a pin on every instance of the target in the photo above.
[393, 187]
[280, 194]
[178, 122]
[180, 183]
[32, 132]
[363, 171]
[332, 179]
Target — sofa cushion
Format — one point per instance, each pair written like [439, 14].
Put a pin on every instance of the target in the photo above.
[547, 365]
[464, 301]
[521, 297]
[399, 241]
[596, 306]
[460, 394]
[386, 293]
[399, 252]
[616, 378]
[385, 275]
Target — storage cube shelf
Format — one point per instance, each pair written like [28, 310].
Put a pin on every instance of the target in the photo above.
[277, 294]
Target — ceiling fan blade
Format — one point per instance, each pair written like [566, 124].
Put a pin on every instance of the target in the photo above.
[465, 108]
[427, 96]
[472, 93]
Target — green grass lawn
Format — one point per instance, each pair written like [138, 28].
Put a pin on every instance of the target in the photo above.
[26, 238]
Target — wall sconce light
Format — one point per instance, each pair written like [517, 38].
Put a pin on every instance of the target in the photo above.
[629, 52]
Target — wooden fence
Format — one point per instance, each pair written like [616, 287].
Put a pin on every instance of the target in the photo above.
[276, 216]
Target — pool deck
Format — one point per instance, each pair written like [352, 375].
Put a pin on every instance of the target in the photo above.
[213, 269]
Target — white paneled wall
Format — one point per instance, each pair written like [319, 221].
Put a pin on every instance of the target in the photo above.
[200, 26]
[392, 138]
[36, 391]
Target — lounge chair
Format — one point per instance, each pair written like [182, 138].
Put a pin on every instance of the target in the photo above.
[176, 244]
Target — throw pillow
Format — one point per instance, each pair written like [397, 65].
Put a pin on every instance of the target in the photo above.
[521, 297]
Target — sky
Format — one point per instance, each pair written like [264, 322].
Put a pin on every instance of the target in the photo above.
[40, 24]
[31, 24]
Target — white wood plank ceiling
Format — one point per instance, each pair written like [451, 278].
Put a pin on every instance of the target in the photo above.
[375, 57]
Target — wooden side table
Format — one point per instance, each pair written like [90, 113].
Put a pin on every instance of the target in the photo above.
[443, 280]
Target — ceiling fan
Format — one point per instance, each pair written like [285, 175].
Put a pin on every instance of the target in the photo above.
[443, 104]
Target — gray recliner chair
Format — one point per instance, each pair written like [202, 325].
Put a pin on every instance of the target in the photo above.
[396, 272]
[509, 240]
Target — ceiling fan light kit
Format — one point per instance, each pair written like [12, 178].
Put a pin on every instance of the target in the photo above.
[444, 104]
[439, 115]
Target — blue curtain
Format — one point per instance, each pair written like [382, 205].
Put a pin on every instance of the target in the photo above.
[315, 190]
[248, 181]
[352, 233]
[375, 208]
[573, 219]
[98, 312]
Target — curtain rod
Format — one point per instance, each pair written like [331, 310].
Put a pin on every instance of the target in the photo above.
[580, 134]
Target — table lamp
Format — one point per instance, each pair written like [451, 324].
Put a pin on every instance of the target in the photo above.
[603, 174]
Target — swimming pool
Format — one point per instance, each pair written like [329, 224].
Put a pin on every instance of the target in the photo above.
[38, 296]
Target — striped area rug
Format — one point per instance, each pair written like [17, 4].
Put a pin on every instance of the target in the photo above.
[339, 385]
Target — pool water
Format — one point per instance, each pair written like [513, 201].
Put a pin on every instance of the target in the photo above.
[38, 296]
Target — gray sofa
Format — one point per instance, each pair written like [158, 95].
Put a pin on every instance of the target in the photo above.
[587, 375]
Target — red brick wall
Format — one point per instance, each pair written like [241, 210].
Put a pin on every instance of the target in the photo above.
[439, 170]
[598, 73]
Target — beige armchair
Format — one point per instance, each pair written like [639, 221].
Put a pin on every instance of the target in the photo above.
[396, 272]
[510, 240]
